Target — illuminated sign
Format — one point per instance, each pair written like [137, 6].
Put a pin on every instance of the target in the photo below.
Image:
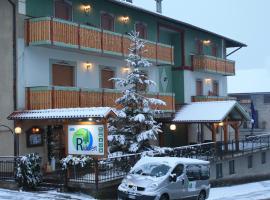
[86, 139]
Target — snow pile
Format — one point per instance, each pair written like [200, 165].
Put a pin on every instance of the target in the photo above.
[71, 160]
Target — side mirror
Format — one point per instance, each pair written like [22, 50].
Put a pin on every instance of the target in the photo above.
[172, 178]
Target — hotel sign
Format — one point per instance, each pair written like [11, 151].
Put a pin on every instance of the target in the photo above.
[86, 139]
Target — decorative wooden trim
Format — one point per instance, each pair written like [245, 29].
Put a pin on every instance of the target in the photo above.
[51, 31]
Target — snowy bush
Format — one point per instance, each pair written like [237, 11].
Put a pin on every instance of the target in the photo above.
[135, 125]
[28, 174]
[71, 160]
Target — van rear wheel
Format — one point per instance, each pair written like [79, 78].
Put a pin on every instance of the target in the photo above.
[164, 197]
[201, 196]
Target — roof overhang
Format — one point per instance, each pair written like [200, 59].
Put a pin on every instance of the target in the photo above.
[63, 113]
[211, 112]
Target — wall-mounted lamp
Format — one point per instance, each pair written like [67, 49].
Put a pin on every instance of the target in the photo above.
[90, 119]
[172, 127]
[124, 19]
[86, 8]
[220, 124]
[18, 130]
[206, 42]
[126, 69]
[35, 130]
[208, 80]
[88, 65]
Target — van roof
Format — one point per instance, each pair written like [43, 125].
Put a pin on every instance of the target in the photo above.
[171, 161]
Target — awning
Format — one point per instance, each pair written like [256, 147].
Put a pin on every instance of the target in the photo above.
[64, 113]
[213, 111]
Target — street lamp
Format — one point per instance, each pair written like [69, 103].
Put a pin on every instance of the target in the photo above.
[17, 131]
[172, 127]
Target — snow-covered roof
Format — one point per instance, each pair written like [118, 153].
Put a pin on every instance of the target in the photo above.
[214, 111]
[171, 161]
[63, 113]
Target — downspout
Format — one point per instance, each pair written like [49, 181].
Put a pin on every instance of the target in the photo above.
[14, 38]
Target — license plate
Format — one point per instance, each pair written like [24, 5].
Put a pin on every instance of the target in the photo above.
[130, 196]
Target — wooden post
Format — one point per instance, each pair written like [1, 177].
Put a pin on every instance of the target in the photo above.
[214, 133]
[225, 129]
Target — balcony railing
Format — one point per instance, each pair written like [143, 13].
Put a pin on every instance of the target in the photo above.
[212, 64]
[68, 97]
[62, 33]
[211, 98]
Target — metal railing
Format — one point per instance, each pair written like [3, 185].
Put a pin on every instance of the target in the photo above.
[7, 167]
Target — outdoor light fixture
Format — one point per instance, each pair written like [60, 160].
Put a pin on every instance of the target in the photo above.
[35, 130]
[172, 127]
[18, 130]
[90, 119]
[88, 65]
[208, 80]
[220, 123]
[124, 19]
[126, 69]
[87, 9]
[206, 42]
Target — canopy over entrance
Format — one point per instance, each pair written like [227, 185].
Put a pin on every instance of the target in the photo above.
[64, 113]
[211, 112]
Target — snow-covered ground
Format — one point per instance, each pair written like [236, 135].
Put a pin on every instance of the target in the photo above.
[250, 191]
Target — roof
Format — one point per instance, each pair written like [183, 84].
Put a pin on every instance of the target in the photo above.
[171, 161]
[214, 111]
[63, 113]
[229, 42]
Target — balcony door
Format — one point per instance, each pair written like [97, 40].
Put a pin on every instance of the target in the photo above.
[106, 75]
[107, 22]
[62, 75]
[215, 88]
[63, 9]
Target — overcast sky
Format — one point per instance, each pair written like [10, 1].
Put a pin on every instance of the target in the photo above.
[246, 21]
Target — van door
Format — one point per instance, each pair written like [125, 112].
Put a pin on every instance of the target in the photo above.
[193, 173]
[177, 189]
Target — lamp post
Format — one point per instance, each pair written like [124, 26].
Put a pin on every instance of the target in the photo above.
[17, 131]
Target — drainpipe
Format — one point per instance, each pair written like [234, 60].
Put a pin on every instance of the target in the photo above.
[14, 38]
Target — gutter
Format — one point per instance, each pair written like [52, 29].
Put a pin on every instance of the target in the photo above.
[14, 38]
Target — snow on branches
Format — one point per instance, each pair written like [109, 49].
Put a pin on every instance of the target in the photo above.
[135, 126]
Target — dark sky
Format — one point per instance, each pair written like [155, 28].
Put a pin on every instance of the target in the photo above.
[247, 21]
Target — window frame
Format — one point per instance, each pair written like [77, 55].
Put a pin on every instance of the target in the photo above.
[201, 81]
[145, 29]
[103, 13]
[263, 157]
[67, 2]
[250, 161]
[100, 76]
[219, 170]
[216, 93]
[232, 167]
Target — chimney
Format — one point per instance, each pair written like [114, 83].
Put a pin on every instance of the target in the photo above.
[129, 1]
[159, 6]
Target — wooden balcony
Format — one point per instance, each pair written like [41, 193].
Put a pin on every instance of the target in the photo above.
[211, 98]
[61, 33]
[66, 97]
[212, 64]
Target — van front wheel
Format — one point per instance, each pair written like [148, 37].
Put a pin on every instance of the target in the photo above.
[201, 196]
[164, 197]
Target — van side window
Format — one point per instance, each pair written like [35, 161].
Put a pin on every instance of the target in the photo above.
[197, 172]
[178, 170]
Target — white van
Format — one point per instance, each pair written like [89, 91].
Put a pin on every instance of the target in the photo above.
[165, 178]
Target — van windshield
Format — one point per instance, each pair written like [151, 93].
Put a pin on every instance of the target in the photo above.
[151, 169]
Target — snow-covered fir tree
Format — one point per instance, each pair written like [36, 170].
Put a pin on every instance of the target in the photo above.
[135, 126]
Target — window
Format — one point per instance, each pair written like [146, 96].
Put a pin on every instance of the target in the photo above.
[250, 160]
[231, 167]
[63, 9]
[199, 47]
[141, 28]
[62, 75]
[219, 173]
[106, 75]
[214, 51]
[178, 170]
[263, 157]
[107, 22]
[193, 172]
[199, 87]
[215, 88]
[266, 98]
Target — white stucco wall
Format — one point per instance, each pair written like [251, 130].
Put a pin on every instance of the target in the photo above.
[190, 78]
[35, 68]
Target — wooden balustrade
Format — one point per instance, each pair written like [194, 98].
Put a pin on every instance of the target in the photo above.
[58, 32]
[213, 65]
[65, 97]
[211, 98]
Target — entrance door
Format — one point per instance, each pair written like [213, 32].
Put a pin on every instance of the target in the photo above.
[62, 75]
[106, 75]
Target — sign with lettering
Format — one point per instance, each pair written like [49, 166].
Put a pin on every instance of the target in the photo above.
[86, 139]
